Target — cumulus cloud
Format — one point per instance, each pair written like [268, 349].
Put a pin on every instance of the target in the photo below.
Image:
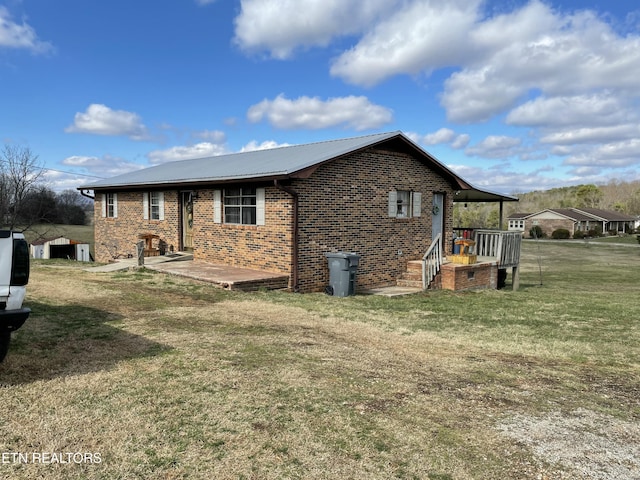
[200, 150]
[538, 49]
[448, 137]
[20, 36]
[101, 120]
[596, 109]
[280, 27]
[613, 154]
[106, 166]
[496, 146]
[591, 135]
[313, 113]
[266, 145]
[418, 37]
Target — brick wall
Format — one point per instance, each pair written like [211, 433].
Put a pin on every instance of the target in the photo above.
[469, 277]
[263, 247]
[344, 207]
[117, 237]
[548, 225]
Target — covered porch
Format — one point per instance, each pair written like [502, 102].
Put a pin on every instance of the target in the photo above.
[480, 256]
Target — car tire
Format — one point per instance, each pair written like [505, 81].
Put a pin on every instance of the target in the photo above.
[5, 339]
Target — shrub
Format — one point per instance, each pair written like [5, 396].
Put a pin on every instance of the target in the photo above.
[561, 234]
[536, 232]
[595, 232]
[579, 234]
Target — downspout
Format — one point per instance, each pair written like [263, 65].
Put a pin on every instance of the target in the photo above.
[87, 195]
[294, 233]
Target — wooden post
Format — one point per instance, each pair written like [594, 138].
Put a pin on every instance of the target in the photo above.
[515, 278]
[140, 251]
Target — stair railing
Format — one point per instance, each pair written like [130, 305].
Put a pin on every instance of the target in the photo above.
[432, 261]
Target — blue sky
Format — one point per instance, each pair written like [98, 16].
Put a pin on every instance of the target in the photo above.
[513, 95]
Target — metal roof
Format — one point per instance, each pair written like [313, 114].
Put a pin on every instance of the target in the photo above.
[474, 194]
[259, 164]
[296, 161]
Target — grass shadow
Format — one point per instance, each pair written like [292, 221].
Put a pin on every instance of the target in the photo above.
[62, 340]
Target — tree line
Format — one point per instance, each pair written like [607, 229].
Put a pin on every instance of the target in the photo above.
[25, 200]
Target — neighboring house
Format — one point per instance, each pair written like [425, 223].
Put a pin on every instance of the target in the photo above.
[517, 222]
[574, 220]
[380, 196]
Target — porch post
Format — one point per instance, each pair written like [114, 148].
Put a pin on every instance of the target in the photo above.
[515, 278]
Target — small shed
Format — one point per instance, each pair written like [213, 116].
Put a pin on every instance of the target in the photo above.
[60, 247]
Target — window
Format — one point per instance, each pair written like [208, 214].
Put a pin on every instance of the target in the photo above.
[153, 205]
[404, 204]
[239, 206]
[516, 224]
[110, 205]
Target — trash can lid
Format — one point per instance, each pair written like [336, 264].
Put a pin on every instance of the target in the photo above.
[341, 255]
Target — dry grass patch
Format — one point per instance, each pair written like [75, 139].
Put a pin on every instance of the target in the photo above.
[169, 378]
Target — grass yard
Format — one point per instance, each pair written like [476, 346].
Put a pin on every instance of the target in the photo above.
[140, 375]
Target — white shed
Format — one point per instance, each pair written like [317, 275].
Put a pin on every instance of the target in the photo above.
[61, 247]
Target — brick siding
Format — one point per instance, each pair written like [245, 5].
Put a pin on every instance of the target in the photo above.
[343, 206]
[469, 277]
[117, 237]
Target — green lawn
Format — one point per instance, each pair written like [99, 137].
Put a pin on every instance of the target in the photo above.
[168, 378]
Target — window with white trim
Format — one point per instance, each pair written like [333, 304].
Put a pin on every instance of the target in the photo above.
[153, 205]
[405, 204]
[239, 206]
[110, 205]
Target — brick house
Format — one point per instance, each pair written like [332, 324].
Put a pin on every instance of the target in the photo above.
[281, 210]
[572, 219]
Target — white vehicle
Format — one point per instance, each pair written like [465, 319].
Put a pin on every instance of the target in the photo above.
[14, 276]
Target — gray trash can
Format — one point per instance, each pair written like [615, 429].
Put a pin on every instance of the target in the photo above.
[342, 273]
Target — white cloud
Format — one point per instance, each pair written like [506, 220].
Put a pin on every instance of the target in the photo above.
[538, 49]
[595, 109]
[313, 113]
[200, 150]
[610, 155]
[103, 167]
[101, 120]
[266, 145]
[592, 135]
[215, 136]
[447, 136]
[418, 37]
[14, 35]
[496, 146]
[282, 26]
[504, 179]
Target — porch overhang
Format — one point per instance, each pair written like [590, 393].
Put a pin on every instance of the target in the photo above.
[478, 195]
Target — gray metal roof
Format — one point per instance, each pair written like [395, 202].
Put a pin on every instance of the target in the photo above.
[475, 194]
[281, 163]
[260, 164]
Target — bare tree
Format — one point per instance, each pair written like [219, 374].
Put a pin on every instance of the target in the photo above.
[20, 172]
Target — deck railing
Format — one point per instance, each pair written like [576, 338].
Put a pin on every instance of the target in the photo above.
[432, 261]
[502, 245]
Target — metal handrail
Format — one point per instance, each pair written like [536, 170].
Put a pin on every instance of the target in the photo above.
[431, 261]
